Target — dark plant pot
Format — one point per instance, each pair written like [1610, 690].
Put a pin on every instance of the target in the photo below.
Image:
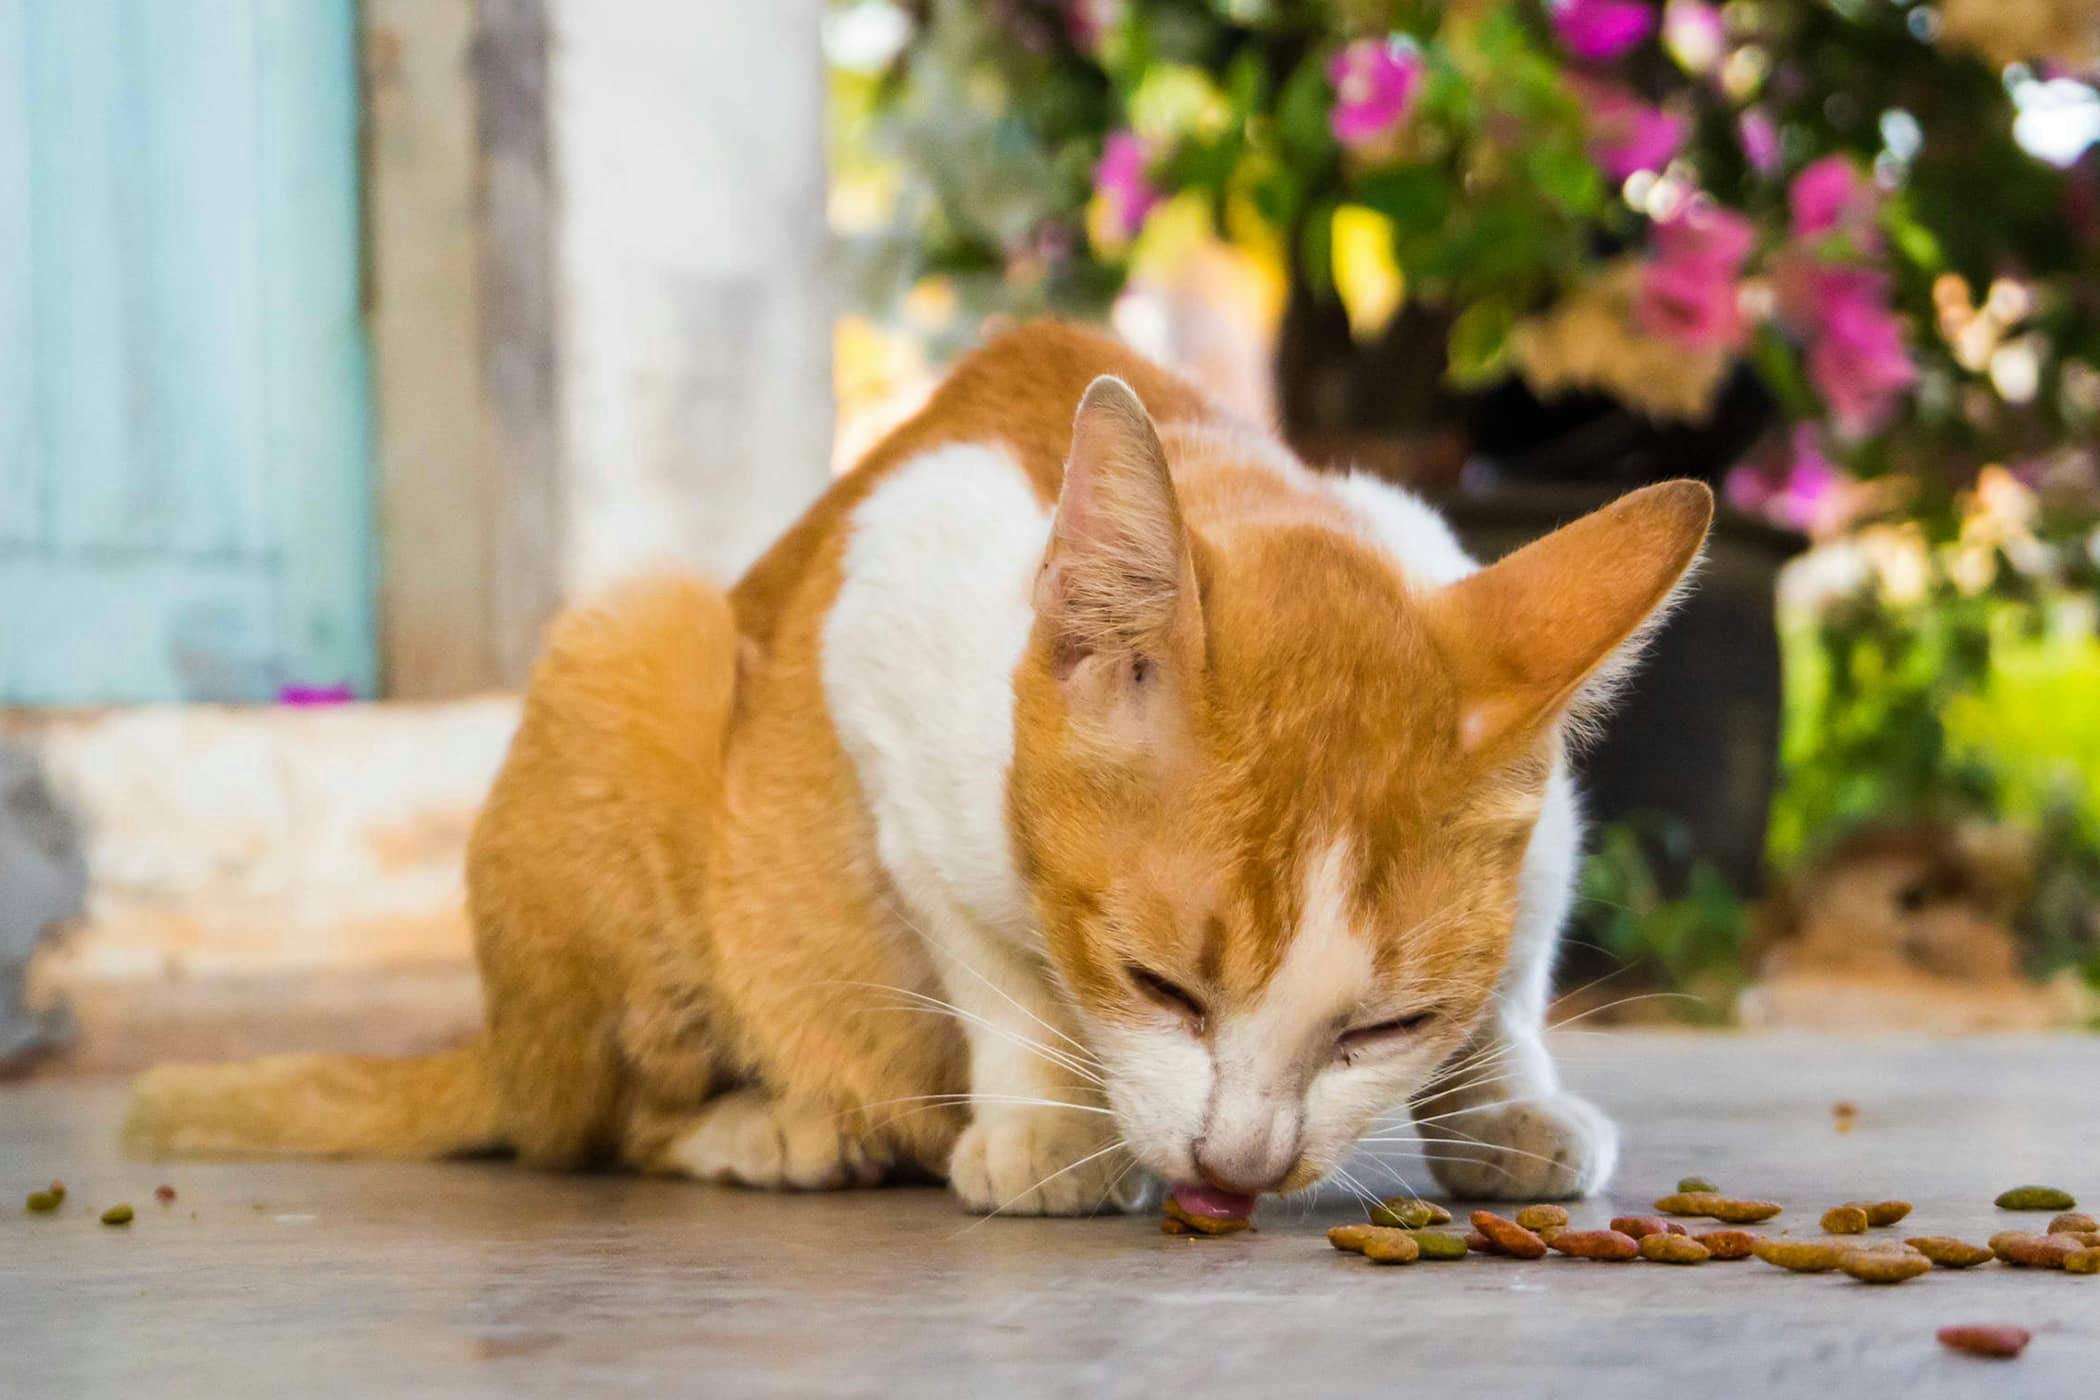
[1696, 735]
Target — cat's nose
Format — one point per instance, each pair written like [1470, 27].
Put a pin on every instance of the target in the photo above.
[1241, 1173]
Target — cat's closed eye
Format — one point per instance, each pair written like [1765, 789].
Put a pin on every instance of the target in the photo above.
[1166, 993]
[1352, 1043]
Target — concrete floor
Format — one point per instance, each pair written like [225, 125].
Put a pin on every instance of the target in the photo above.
[471, 1279]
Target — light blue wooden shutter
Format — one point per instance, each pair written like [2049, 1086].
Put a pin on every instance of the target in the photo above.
[185, 483]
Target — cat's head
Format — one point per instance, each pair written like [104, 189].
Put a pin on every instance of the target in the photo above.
[1272, 798]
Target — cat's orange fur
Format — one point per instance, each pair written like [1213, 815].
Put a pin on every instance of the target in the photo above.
[696, 960]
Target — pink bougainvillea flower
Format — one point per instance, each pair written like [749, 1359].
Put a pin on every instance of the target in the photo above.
[1598, 31]
[1804, 491]
[1808, 498]
[1626, 134]
[1706, 233]
[1694, 304]
[1859, 360]
[1760, 140]
[1375, 84]
[1688, 293]
[1121, 178]
[1831, 196]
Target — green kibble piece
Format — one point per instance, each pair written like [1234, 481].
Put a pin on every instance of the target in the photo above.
[1405, 1213]
[44, 1202]
[1696, 1183]
[117, 1215]
[2036, 1198]
[1436, 1244]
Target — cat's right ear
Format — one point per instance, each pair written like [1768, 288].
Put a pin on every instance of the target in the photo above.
[1117, 591]
[1543, 634]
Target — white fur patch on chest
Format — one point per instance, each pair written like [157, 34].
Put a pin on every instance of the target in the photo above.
[934, 609]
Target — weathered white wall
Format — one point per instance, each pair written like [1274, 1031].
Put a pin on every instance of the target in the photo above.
[694, 314]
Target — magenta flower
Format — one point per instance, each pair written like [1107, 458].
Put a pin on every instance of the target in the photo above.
[1598, 31]
[1626, 134]
[1830, 196]
[1760, 140]
[1375, 84]
[1121, 179]
[1688, 293]
[1707, 233]
[1806, 492]
[1859, 359]
[1694, 304]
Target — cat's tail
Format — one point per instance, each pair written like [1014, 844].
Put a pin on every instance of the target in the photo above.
[318, 1105]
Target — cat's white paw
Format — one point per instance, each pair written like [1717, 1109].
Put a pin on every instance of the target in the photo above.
[750, 1139]
[1553, 1148]
[1042, 1161]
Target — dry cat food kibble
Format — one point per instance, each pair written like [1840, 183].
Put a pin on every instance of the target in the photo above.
[2036, 1198]
[1480, 1244]
[117, 1215]
[1723, 1208]
[1607, 1245]
[1673, 1249]
[2004, 1342]
[1884, 1265]
[1736, 1244]
[2033, 1251]
[1390, 1246]
[2070, 1223]
[1700, 1184]
[1947, 1252]
[1508, 1236]
[42, 1202]
[1542, 1217]
[1405, 1213]
[1179, 1220]
[1801, 1256]
[1844, 1220]
[1640, 1226]
[1436, 1244]
[2084, 1261]
[1352, 1238]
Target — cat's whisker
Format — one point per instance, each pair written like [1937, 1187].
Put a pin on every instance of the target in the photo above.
[927, 1002]
[928, 1103]
[1495, 1167]
[1068, 1167]
[1456, 1139]
[957, 958]
[1004, 1033]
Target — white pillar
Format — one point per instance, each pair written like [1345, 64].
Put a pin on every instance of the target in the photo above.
[695, 316]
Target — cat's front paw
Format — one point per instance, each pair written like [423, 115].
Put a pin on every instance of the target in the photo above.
[1554, 1148]
[1042, 1161]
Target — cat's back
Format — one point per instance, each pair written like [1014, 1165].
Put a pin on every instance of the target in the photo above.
[1018, 391]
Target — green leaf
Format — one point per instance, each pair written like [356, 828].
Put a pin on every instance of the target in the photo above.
[1480, 343]
[1302, 107]
[1316, 249]
[1416, 198]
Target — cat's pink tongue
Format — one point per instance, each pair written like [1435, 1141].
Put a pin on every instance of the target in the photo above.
[1209, 1200]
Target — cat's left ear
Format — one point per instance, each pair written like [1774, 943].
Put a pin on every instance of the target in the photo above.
[1117, 592]
[1541, 634]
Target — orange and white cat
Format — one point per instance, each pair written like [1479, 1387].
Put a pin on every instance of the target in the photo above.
[1062, 795]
